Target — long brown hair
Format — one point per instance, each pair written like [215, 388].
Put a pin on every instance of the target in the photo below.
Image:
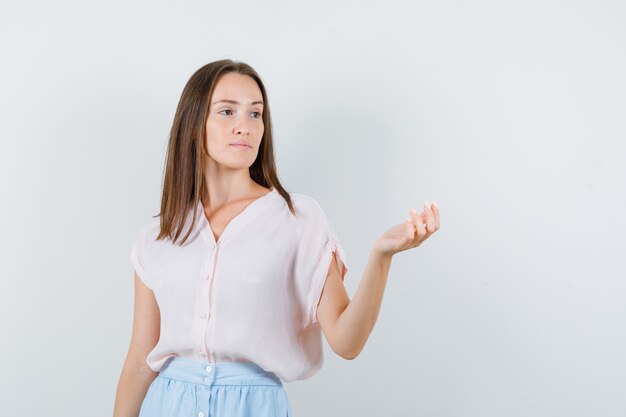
[184, 183]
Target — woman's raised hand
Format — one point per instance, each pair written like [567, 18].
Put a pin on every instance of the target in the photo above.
[410, 234]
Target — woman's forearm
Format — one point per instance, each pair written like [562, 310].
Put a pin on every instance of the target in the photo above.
[134, 382]
[356, 322]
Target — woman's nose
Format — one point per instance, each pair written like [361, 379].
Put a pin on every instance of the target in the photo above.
[242, 126]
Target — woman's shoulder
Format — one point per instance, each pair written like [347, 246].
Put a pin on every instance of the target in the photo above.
[305, 202]
[308, 210]
[149, 230]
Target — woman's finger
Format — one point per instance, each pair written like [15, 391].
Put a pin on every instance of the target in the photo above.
[436, 212]
[417, 221]
[410, 230]
[430, 218]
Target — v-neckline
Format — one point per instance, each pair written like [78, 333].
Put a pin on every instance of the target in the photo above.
[234, 224]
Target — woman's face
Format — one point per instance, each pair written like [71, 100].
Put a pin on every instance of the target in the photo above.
[235, 117]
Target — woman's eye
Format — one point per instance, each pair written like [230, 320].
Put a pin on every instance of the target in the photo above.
[254, 112]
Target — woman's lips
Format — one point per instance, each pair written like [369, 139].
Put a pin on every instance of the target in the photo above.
[241, 146]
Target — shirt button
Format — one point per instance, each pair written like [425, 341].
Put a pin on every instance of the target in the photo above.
[202, 354]
[208, 368]
[203, 315]
[200, 414]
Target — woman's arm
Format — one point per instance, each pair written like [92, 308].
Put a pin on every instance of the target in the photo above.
[136, 375]
[347, 323]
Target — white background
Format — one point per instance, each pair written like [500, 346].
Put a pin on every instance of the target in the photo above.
[511, 115]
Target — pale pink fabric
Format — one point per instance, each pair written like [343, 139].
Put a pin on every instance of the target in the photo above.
[252, 296]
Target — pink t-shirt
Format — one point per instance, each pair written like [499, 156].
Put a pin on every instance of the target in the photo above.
[250, 296]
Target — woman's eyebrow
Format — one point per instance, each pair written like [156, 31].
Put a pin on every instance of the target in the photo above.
[235, 102]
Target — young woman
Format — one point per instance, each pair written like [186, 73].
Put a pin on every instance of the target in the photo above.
[235, 278]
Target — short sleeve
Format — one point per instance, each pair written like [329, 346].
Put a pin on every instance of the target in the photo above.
[137, 256]
[315, 252]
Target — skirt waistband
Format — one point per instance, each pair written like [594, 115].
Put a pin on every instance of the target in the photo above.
[220, 373]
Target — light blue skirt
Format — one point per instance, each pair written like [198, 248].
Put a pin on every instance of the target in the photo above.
[189, 388]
